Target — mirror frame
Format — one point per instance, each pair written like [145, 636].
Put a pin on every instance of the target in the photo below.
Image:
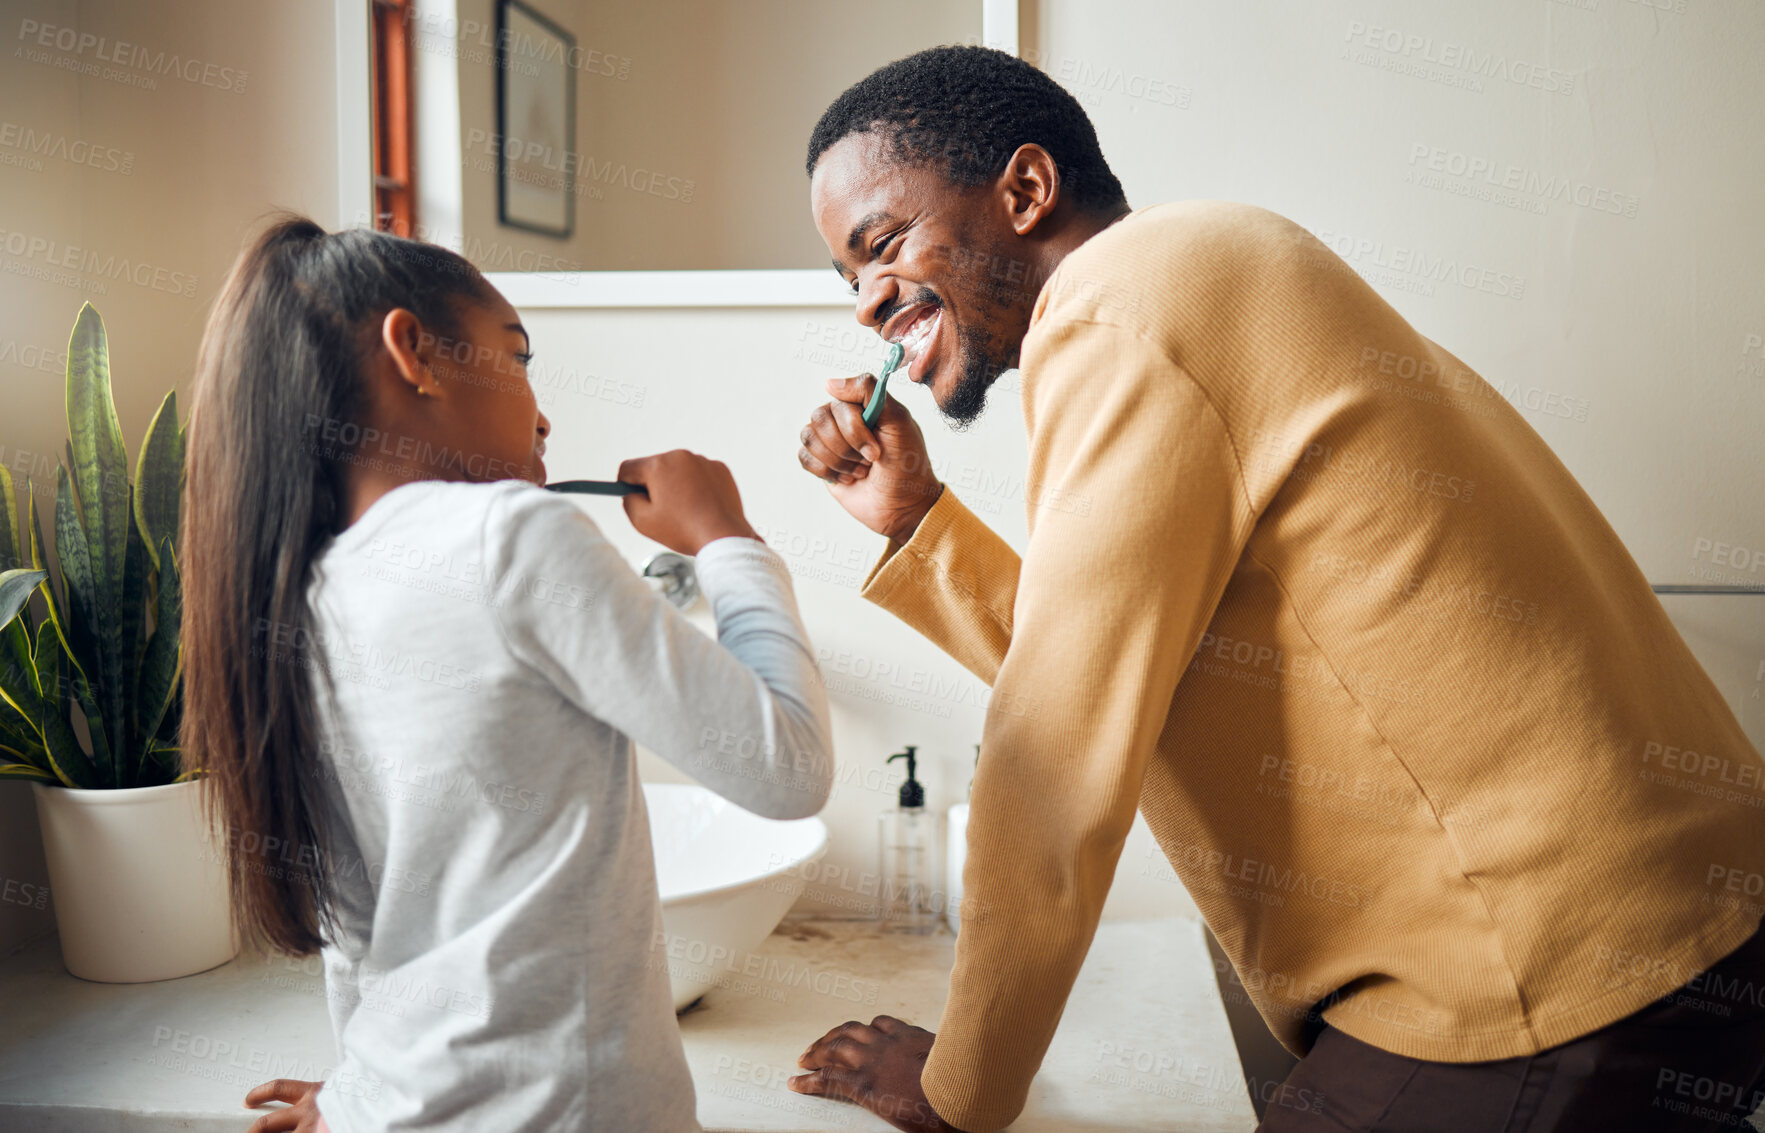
[809, 287]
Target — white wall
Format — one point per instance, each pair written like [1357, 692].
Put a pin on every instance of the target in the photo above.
[197, 118]
[1628, 328]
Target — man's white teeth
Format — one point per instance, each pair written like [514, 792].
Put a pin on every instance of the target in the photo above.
[920, 334]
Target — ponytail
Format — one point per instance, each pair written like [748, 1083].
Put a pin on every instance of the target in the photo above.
[277, 371]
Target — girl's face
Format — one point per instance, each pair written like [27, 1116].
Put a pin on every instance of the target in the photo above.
[481, 410]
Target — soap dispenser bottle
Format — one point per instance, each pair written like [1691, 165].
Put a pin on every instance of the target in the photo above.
[906, 836]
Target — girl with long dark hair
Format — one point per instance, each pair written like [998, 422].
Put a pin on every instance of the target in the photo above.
[413, 679]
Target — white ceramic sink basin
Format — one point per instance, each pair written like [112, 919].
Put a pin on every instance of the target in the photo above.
[727, 877]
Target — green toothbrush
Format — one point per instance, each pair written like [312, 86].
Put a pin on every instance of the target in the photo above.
[874, 410]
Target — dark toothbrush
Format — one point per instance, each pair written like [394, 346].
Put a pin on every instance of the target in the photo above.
[597, 487]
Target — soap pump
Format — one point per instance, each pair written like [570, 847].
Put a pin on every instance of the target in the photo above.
[905, 841]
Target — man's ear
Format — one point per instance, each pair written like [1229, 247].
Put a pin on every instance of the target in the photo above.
[402, 336]
[1030, 186]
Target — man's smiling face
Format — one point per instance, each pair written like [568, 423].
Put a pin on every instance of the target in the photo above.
[932, 265]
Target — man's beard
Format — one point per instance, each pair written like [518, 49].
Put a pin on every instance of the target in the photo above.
[985, 355]
[969, 397]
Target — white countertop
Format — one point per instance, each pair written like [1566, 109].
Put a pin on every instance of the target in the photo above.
[1144, 1043]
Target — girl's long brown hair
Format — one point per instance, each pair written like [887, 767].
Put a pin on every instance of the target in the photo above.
[277, 376]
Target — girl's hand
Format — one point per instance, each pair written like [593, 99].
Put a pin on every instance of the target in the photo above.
[692, 500]
[302, 1114]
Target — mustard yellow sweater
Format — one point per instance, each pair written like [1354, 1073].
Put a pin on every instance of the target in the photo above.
[1399, 707]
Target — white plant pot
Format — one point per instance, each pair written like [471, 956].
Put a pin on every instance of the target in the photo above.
[138, 882]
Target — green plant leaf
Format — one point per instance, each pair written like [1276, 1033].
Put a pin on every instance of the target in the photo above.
[20, 745]
[159, 478]
[101, 699]
[162, 663]
[25, 771]
[19, 652]
[11, 719]
[15, 651]
[15, 590]
[166, 763]
[10, 552]
[75, 636]
[37, 560]
[60, 744]
[125, 739]
[99, 468]
[83, 697]
[15, 633]
[18, 674]
[153, 669]
[11, 558]
[72, 636]
[174, 711]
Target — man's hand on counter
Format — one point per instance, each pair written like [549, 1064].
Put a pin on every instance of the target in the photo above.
[876, 1066]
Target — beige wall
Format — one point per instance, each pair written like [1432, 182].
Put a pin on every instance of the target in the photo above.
[692, 121]
[198, 117]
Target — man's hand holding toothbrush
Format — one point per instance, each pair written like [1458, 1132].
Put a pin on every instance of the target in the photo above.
[882, 476]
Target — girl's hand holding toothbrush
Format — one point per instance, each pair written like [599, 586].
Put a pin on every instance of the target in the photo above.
[689, 500]
[883, 477]
[301, 1114]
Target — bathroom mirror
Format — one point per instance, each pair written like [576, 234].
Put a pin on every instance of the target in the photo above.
[669, 133]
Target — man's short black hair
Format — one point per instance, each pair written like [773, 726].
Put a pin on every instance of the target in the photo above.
[969, 109]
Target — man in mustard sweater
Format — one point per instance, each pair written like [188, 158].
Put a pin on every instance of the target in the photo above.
[1309, 593]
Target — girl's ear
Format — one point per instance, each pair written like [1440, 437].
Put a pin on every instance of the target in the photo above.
[402, 335]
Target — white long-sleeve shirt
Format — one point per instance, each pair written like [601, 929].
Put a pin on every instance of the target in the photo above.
[493, 658]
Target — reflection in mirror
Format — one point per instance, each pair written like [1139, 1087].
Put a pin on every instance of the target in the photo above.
[585, 135]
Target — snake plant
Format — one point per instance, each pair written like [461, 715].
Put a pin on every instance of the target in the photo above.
[89, 676]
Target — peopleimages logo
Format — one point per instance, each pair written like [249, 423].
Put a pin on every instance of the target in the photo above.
[54, 254]
[1519, 179]
[123, 54]
[32, 145]
[583, 167]
[1459, 57]
[1419, 264]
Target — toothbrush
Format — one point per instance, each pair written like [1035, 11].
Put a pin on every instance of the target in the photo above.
[874, 410]
[598, 488]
